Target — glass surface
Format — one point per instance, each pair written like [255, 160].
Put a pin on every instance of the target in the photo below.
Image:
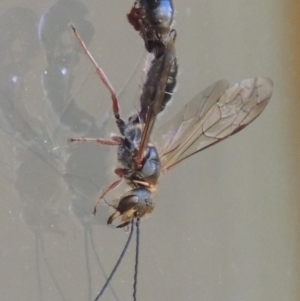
[226, 223]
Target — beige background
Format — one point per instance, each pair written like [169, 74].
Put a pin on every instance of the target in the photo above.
[226, 225]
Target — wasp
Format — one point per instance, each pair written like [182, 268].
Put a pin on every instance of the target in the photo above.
[213, 115]
[139, 159]
[153, 19]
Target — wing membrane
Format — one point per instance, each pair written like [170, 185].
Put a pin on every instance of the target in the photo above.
[213, 115]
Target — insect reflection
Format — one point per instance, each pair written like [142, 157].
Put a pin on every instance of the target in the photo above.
[213, 115]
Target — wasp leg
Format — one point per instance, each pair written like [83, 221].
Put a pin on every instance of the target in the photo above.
[101, 74]
[98, 140]
[109, 188]
[143, 183]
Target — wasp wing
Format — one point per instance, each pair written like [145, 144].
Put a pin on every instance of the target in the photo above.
[213, 115]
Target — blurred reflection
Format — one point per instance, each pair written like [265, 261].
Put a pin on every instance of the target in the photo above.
[46, 173]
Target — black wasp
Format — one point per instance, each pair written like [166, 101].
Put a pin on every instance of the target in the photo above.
[213, 115]
[140, 159]
[153, 19]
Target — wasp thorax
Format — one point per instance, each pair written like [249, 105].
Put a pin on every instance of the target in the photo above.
[133, 134]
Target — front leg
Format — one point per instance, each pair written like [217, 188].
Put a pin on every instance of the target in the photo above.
[119, 172]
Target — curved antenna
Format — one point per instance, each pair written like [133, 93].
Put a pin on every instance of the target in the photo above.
[117, 264]
[137, 252]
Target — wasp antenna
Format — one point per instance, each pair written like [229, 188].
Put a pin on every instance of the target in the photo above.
[117, 263]
[137, 252]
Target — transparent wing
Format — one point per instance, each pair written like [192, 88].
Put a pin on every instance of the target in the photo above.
[213, 115]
